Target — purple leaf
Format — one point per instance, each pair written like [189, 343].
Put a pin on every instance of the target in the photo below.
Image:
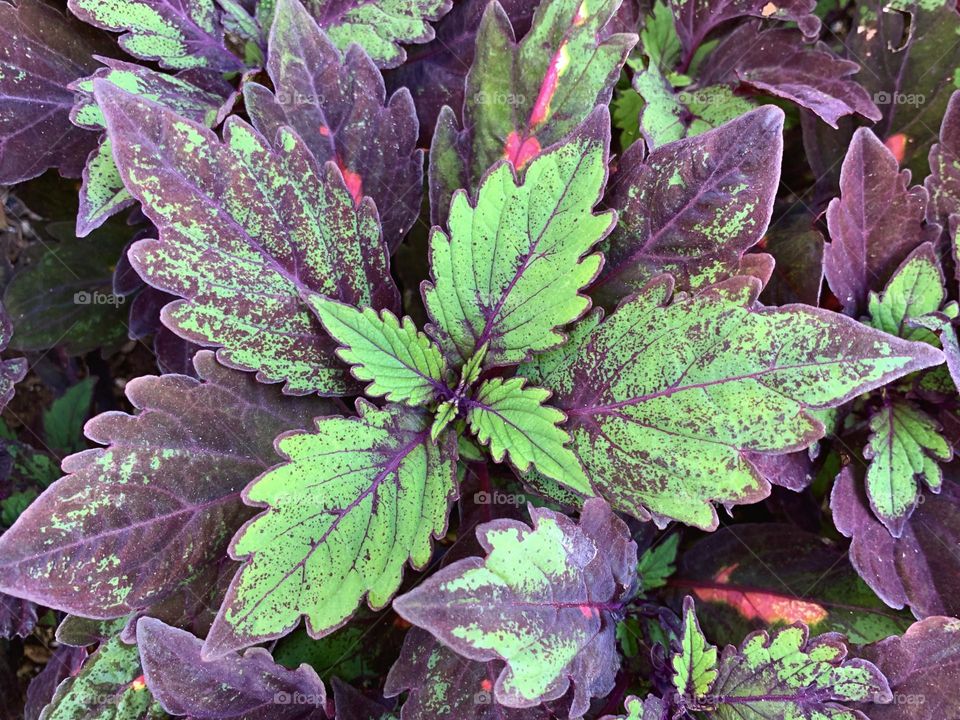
[135, 520]
[782, 63]
[17, 617]
[41, 52]
[11, 371]
[545, 600]
[65, 662]
[445, 686]
[177, 34]
[693, 207]
[236, 687]
[354, 705]
[943, 183]
[874, 224]
[923, 668]
[793, 471]
[696, 19]
[920, 568]
[338, 105]
[243, 228]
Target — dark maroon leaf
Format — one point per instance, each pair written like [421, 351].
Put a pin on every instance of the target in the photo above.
[235, 687]
[42, 51]
[354, 705]
[921, 568]
[11, 371]
[693, 207]
[17, 617]
[923, 668]
[943, 183]
[793, 471]
[338, 105]
[134, 521]
[874, 224]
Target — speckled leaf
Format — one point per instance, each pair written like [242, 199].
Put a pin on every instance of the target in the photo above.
[380, 27]
[243, 228]
[132, 522]
[102, 193]
[445, 686]
[788, 676]
[782, 63]
[236, 687]
[177, 34]
[338, 105]
[13, 370]
[664, 399]
[522, 97]
[920, 568]
[696, 19]
[911, 54]
[874, 224]
[653, 708]
[545, 600]
[386, 491]
[109, 686]
[402, 364]
[42, 50]
[65, 662]
[510, 269]
[923, 669]
[692, 208]
[755, 576]
[64, 296]
[943, 183]
[514, 420]
[695, 665]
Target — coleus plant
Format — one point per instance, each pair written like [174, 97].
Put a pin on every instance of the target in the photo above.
[474, 469]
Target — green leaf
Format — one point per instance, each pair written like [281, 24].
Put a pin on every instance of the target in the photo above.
[658, 563]
[403, 364]
[915, 289]
[695, 667]
[512, 419]
[664, 399]
[63, 421]
[905, 448]
[355, 500]
[511, 270]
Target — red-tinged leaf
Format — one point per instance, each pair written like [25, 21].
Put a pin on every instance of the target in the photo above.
[445, 686]
[920, 568]
[134, 521]
[874, 224]
[943, 183]
[243, 228]
[753, 576]
[544, 600]
[693, 207]
[236, 687]
[782, 63]
[42, 51]
[664, 399]
[338, 105]
[523, 97]
[923, 668]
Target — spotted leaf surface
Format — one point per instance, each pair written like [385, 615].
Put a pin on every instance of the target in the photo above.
[102, 193]
[42, 51]
[241, 687]
[877, 220]
[694, 207]
[943, 183]
[544, 600]
[785, 674]
[134, 521]
[355, 500]
[243, 230]
[509, 270]
[400, 362]
[695, 666]
[109, 686]
[338, 105]
[177, 34]
[522, 97]
[916, 289]
[653, 708]
[445, 686]
[515, 421]
[664, 399]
